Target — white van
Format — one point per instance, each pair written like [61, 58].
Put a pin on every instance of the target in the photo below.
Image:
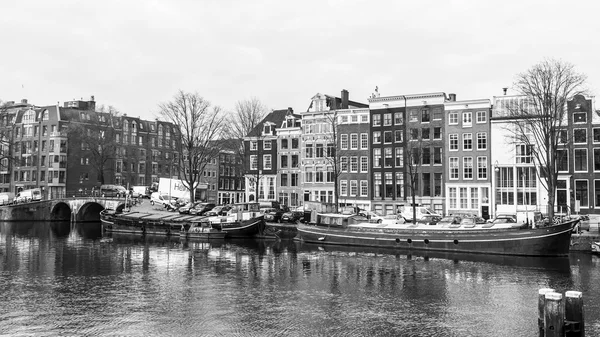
[407, 213]
[7, 198]
[34, 194]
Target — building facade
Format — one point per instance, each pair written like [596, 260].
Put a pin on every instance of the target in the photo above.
[289, 177]
[467, 157]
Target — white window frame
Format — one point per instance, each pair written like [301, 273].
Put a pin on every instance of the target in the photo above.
[467, 119]
[481, 117]
[364, 141]
[453, 118]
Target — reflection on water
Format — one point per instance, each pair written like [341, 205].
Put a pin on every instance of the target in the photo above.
[62, 278]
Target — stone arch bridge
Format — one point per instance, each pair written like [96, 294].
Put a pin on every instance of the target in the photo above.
[64, 209]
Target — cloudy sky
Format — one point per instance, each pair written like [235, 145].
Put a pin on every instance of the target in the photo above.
[134, 54]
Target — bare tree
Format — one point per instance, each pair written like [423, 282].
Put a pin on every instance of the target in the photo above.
[335, 154]
[539, 120]
[6, 135]
[200, 131]
[414, 156]
[96, 137]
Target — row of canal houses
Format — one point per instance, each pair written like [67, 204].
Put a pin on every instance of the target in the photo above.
[467, 162]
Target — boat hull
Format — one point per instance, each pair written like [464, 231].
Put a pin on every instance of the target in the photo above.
[546, 241]
[279, 231]
[241, 229]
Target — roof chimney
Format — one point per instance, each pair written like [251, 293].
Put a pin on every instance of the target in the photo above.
[290, 111]
[505, 90]
[24, 101]
[452, 97]
[345, 95]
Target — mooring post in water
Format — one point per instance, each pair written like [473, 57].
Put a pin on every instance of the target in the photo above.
[574, 325]
[554, 315]
[541, 304]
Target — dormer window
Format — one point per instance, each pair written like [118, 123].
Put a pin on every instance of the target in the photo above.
[267, 129]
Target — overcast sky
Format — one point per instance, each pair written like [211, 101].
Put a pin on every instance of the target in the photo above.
[135, 54]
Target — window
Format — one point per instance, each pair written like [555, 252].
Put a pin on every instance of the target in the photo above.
[267, 144]
[377, 182]
[294, 160]
[453, 141]
[481, 116]
[437, 114]
[467, 141]
[376, 157]
[344, 141]
[425, 133]
[580, 117]
[364, 141]
[253, 145]
[425, 117]
[399, 185]
[463, 197]
[364, 188]
[466, 119]
[426, 184]
[580, 160]
[437, 155]
[308, 176]
[376, 137]
[284, 144]
[284, 179]
[354, 118]
[482, 167]
[581, 192]
[284, 161]
[388, 157]
[562, 136]
[294, 180]
[398, 136]
[398, 119]
[354, 141]
[474, 198]
[364, 118]
[387, 119]
[364, 164]
[387, 137]
[253, 162]
[453, 118]
[596, 134]
[580, 136]
[437, 133]
[596, 159]
[562, 160]
[413, 116]
[353, 187]
[426, 156]
[267, 162]
[452, 197]
[354, 164]
[376, 119]
[596, 192]
[481, 141]
[344, 164]
[414, 134]
[524, 154]
[467, 167]
[437, 184]
[294, 143]
[389, 185]
[309, 150]
[399, 157]
[453, 168]
[344, 187]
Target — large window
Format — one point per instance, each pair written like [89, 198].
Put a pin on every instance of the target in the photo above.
[344, 141]
[581, 192]
[377, 185]
[376, 119]
[425, 117]
[364, 164]
[399, 185]
[426, 156]
[453, 141]
[580, 160]
[253, 162]
[267, 162]
[399, 157]
[524, 154]
[389, 161]
[426, 184]
[452, 197]
[453, 168]
[562, 160]
[344, 164]
[481, 116]
[387, 119]
[413, 115]
[353, 188]
[437, 155]
[344, 187]
[364, 141]
[596, 159]
[482, 167]
[398, 136]
[376, 137]
[481, 141]
[387, 137]
[467, 119]
[398, 119]
[467, 167]
[354, 164]
[389, 185]
[354, 141]
[376, 157]
[580, 136]
[467, 141]
[364, 188]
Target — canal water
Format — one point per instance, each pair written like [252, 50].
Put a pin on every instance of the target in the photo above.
[67, 279]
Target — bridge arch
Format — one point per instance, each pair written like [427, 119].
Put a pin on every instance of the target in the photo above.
[90, 211]
[61, 211]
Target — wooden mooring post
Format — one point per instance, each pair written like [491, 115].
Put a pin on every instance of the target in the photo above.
[560, 316]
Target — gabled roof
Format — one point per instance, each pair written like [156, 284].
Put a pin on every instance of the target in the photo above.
[335, 103]
[276, 117]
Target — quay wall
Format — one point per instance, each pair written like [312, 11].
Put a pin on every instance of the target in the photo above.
[33, 211]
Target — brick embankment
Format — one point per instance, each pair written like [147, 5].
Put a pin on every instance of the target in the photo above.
[589, 233]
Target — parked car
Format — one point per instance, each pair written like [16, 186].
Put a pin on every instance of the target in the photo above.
[113, 191]
[430, 219]
[185, 209]
[293, 215]
[161, 199]
[407, 213]
[273, 214]
[201, 208]
[505, 218]
[375, 217]
[218, 210]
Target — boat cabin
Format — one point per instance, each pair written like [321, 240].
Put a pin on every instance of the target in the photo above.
[341, 220]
